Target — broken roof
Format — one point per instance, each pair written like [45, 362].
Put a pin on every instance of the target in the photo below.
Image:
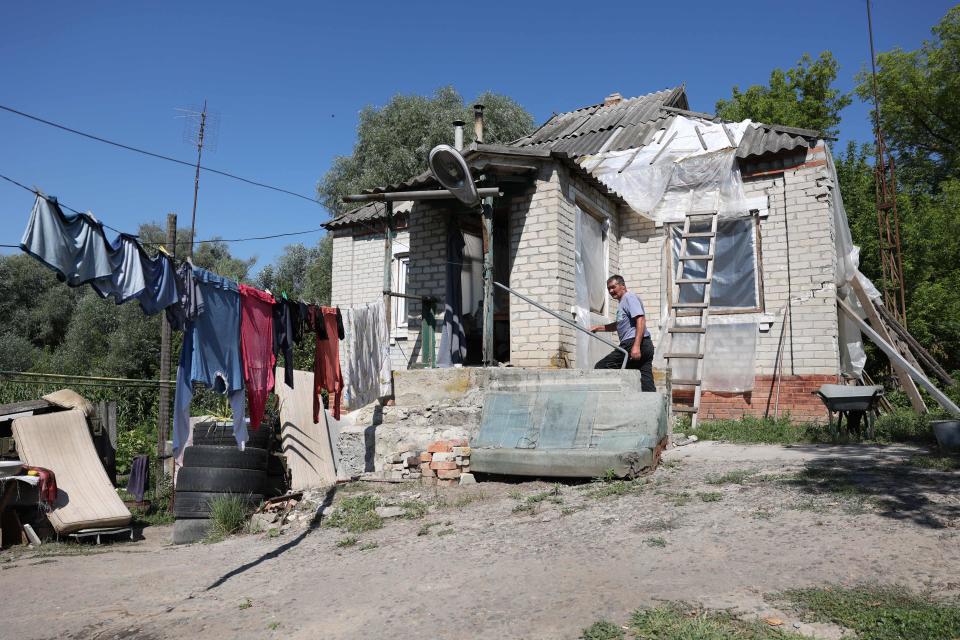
[632, 122]
[625, 124]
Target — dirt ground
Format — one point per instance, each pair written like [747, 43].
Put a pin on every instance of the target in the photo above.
[718, 525]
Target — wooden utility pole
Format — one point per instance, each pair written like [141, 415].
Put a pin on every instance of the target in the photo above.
[163, 423]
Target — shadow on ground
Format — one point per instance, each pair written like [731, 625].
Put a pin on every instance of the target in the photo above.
[887, 478]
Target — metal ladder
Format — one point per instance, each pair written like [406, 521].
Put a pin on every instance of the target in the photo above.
[701, 309]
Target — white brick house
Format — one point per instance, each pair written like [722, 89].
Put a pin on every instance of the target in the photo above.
[548, 180]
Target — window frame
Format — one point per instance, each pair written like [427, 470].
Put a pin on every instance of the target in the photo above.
[399, 321]
[671, 272]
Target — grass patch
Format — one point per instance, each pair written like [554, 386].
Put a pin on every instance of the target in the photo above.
[680, 622]
[445, 532]
[246, 603]
[349, 541]
[602, 488]
[566, 511]
[761, 431]
[937, 463]
[151, 516]
[414, 509]
[737, 476]
[366, 546]
[356, 514]
[835, 484]
[656, 542]
[880, 613]
[710, 496]
[602, 630]
[679, 499]
[425, 529]
[228, 515]
[515, 494]
[902, 425]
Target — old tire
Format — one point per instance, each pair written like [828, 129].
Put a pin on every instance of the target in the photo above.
[221, 435]
[225, 457]
[191, 530]
[217, 480]
[196, 504]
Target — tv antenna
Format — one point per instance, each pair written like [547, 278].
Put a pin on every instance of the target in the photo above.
[200, 128]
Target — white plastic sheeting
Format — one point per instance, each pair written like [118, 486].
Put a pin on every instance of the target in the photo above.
[365, 355]
[729, 353]
[735, 283]
[675, 174]
[591, 286]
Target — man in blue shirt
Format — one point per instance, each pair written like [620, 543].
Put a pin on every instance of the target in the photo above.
[631, 327]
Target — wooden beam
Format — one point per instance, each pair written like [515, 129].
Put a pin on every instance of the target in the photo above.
[891, 352]
[902, 375]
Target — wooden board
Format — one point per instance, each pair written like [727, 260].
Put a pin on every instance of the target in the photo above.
[306, 445]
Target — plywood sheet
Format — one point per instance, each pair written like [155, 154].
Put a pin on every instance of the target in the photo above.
[61, 442]
[306, 445]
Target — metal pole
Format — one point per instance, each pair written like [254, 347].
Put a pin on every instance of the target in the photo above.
[488, 358]
[388, 264]
[428, 194]
[196, 180]
[163, 411]
[556, 315]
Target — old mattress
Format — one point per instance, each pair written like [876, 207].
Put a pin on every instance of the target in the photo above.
[61, 442]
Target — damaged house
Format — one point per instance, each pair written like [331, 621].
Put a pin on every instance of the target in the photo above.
[637, 187]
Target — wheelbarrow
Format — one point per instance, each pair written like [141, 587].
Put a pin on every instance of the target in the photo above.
[851, 402]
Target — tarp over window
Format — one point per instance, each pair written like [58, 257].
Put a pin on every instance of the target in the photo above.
[591, 286]
[735, 282]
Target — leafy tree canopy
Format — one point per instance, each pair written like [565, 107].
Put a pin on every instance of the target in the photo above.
[799, 97]
[393, 141]
[300, 271]
[919, 109]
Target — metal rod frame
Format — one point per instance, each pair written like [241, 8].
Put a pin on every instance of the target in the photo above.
[429, 194]
[556, 315]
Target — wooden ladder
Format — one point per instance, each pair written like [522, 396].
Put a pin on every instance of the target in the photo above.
[699, 309]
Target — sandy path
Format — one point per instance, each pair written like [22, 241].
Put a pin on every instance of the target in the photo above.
[545, 574]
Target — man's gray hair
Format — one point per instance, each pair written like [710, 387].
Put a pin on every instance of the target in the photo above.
[616, 278]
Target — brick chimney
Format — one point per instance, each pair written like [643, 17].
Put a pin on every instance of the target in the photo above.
[613, 98]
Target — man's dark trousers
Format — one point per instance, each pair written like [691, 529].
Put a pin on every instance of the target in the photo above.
[615, 358]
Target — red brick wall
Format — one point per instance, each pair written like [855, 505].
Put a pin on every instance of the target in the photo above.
[796, 397]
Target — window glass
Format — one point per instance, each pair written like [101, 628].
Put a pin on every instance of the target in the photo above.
[735, 277]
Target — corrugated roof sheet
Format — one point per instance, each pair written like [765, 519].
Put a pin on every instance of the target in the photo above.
[367, 214]
[583, 131]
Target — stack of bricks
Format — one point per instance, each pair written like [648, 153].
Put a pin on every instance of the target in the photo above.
[446, 463]
[403, 465]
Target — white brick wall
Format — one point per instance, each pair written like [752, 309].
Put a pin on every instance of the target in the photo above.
[542, 236]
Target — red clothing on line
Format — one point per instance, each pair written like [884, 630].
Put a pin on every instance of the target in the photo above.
[326, 360]
[256, 347]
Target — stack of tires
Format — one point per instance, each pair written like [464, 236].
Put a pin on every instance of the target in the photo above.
[213, 466]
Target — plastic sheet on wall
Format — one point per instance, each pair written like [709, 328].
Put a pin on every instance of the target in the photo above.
[735, 284]
[590, 278]
[730, 352]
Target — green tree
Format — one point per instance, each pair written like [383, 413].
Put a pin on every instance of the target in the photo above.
[799, 97]
[919, 108]
[393, 141]
[301, 272]
[215, 256]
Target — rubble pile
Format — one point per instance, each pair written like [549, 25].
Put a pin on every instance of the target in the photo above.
[444, 463]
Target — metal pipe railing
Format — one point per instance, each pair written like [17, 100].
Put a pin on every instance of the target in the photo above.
[556, 315]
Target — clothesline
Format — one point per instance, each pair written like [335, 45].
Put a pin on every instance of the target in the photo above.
[210, 240]
[233, 333]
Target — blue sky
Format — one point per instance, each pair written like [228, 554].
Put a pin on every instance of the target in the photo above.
[288, 81]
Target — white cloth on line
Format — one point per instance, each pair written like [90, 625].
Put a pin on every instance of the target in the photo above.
[365, 354]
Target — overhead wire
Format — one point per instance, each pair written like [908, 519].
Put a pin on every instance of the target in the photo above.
[210, 240]
[159, 156]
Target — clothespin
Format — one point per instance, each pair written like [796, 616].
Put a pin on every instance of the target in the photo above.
[164, 251]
